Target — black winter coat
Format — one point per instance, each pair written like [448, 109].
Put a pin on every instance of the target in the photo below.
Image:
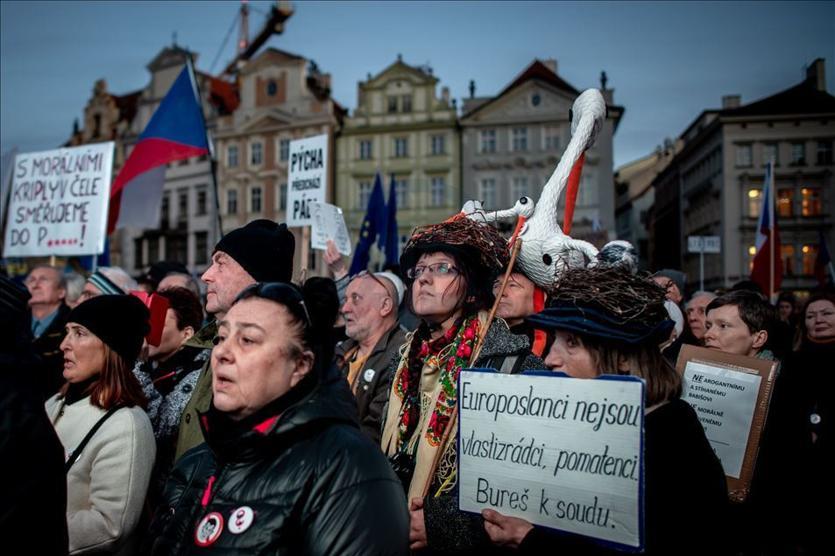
[315, 483]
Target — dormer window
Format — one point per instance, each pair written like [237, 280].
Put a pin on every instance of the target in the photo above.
[536, 99]
[272, 88]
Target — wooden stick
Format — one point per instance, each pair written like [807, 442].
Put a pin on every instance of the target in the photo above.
[305, 254]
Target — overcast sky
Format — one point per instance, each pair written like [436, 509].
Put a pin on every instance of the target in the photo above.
[666, 61]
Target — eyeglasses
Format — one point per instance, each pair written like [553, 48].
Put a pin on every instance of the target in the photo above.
[441, 269]
[284, 294]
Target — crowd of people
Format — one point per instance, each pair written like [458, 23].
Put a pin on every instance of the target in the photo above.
[266, 417]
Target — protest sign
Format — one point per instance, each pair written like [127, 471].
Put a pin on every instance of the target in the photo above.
[59, 200]
[329, 223]
[730, 394]
[307, 178]
[560, 452]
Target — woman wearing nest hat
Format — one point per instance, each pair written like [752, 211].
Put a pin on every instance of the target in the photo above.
[607, 321]
[100, 420]
[451, 267]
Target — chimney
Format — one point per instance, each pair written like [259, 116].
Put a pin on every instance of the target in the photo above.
[445, 94]
[472, 88]
[731, 101]
[551, 64]
[816, 74]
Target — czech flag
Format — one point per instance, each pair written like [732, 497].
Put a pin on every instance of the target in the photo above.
[767, 271]
[176, 131]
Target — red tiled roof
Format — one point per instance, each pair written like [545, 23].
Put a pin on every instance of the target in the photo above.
[223, 94]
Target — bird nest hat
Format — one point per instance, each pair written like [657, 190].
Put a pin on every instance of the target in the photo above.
[479, 246]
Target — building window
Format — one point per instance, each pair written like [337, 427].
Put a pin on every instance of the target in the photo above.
[754, 202]
[138, 261]
[272, 88]
[284, 150]
[232, 201]
[201, 247]
[770, 152]
[364, 194]
[282, 196]
[551, 141]
[519, 188]
[177, 249]
[401, 189]
[824, 153]
[257, 154]
[810, 201]
[519, 139]
[232, 156]
[202, 204]
[809, 253]
[401, 147]
[365, 149]
[798, 154]
[437, 190]
[164, 212]
[255, 199]
[392, 105]
[743, 156]
[438, 144]
[488, 193]
[752, 250]
[153, 250]
[182, 205]
[787, 254]
[785, 198]
[536, 99]
[406, 101]
[587, 192]
[488, 141]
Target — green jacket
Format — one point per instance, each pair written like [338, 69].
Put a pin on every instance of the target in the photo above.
[190, 434]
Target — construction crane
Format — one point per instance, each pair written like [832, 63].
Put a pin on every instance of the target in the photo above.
[280, 12]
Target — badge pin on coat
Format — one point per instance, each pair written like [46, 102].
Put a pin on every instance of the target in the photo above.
[240, 520]
[208, 529]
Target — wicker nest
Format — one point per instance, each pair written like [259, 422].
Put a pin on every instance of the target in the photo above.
[482, 242]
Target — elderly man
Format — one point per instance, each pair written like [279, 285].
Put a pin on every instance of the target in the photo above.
[695, 312]
[48, 288]
[261, 251]
[367, 357]
[738, 322]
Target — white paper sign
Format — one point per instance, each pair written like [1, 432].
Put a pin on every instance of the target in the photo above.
[58, 202]
[329, 223]
[307, 178]
[725, 401]
[560, 452]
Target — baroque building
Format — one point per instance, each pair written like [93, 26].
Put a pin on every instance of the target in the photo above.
[402, 129]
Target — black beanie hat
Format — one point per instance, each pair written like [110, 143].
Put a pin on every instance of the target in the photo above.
[263, 248]
[120, 321]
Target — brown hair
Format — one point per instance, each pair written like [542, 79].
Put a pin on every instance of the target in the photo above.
[116, 384]
[645, 361]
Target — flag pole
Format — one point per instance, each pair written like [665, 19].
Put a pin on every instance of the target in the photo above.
[773, 224]
[212, 160]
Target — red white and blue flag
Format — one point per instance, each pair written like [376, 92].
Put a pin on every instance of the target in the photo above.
[176, 131]
[767, 271]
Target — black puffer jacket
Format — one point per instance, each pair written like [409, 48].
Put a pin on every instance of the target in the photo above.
[315, 483]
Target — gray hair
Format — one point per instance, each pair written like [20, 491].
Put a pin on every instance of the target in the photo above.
[62, 280]
[75, 285]
[118, 276]
[700, 293]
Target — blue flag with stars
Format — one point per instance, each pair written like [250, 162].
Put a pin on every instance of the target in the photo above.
[373, 224]
[392, 239]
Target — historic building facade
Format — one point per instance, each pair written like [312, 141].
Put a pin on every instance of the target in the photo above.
[714, 185]
[512, 142]
[283, 97]
[402, 129]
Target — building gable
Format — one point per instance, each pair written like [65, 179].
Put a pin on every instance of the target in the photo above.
[534, 100]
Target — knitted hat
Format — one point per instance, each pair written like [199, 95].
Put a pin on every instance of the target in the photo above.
[120, 321]
[395, 280]
[479, 245]
[263, 248]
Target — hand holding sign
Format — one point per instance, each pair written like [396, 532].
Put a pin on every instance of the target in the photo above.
[329, 224]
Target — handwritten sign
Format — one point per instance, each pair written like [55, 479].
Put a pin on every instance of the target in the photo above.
[560, 452]
[59, 202]
[730, 394]
[329, 223]
[307, 178]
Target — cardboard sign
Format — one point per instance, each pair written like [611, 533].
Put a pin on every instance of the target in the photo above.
[307, 178]
[730, 394]
[58, 202]
[560, 452]
[329, 223]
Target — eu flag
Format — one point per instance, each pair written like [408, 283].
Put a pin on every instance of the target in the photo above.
[373, 224]
[392, 238]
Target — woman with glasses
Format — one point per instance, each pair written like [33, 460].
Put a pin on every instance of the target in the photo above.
[285, 468]
[451, 267]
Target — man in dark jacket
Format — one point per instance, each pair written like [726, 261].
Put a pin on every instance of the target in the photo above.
[48, 288]
[367, 357]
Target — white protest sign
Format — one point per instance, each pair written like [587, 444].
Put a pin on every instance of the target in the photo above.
[307, 178]
[560, 452]
[329, 223]
[725, 401]
[59, 202]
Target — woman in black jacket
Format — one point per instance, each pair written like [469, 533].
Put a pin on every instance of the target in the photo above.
[607, 321]
[285, 468]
